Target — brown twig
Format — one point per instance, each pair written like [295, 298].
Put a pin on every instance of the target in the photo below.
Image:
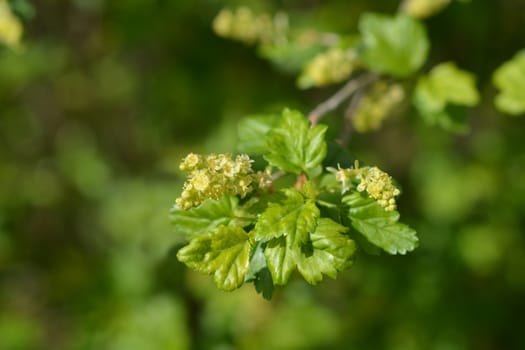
[340, 96]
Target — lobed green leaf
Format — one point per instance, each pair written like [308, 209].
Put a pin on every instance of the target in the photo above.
[209, 215]
[331, 252]
[294, 146]
[510, 79]
[225, 254]
[327, 251]
[393, 45]
[380, 227]
[281, 256]
[259, 273]
[295, 217]
[440, 96]
[252, 132]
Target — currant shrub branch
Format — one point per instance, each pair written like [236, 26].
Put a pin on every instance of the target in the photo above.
[304, 210]
[248, 225]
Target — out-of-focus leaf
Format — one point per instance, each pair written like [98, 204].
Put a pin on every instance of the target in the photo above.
[209, 215]
[380, 227]
[294, 146]
[330, 252]
[393, 45]
[295, 217]
[23, 8]
[453, 85]
[252, 132]
[440, 97]
[510, 79]
[225, 254]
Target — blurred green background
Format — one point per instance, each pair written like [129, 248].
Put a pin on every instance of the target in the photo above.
[106, 97]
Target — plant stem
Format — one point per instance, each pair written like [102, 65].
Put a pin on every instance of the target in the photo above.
[333, 102]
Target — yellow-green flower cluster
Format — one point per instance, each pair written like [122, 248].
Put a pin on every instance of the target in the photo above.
[373, 180]
[215, 175]
[379, 186]
[10, 26]
[423, 8]
[243, 25]
[378, 104]
[332, 66]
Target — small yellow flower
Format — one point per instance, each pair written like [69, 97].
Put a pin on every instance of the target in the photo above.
[379, 186]
[243, 164]
[215, 175]
[200, 180]
[343, 176]
[374, 181]
[191, 162]
[213, 162]
[229, 168]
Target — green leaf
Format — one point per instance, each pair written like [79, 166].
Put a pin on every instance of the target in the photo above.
[264, 283]
[281, 256]
[393, 45]
[252, 132]
[331, 252]
[225, 254]
[294, 146]
[259, 273]
[510, 79]
[295, 217]
[209, 215]
[440, 97]
[380, 227]
[327, 251]
[257, 262]
[287, 227]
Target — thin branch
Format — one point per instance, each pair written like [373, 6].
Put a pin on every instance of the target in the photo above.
[346, 91]
[346, 133]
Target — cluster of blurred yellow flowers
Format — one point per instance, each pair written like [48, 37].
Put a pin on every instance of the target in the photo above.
[423, 8]
[332, 66]
[10, 26]
[215, 175]
[373, 180]
[378, 104]
[243, 25]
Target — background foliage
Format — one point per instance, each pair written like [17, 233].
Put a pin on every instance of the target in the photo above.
[104, 98]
